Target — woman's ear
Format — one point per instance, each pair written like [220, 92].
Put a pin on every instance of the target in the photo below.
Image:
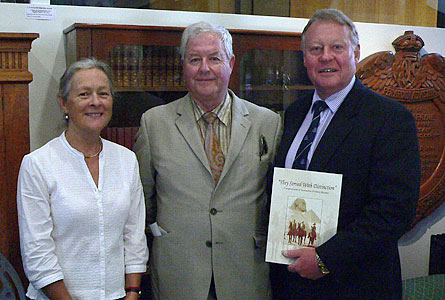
[62, 104]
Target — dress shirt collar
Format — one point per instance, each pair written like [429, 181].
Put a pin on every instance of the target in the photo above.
[222, 111]
[334, 101]
[75, 151]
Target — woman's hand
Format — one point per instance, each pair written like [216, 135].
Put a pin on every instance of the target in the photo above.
[132, 296]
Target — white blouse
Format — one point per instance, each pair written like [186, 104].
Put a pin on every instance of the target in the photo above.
[90, 236]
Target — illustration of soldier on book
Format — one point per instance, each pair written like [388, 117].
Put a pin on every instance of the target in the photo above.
[303, 223]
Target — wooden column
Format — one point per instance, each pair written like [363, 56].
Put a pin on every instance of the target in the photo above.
[14, 135]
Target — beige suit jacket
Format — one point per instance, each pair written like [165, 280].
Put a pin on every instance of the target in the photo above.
[211, 229]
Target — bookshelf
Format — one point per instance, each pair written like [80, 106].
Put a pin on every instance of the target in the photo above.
[147, 68]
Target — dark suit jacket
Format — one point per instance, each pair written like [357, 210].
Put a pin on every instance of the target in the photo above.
[372, 141]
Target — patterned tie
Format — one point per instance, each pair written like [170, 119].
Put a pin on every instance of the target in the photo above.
[300, 161]
[212, 147]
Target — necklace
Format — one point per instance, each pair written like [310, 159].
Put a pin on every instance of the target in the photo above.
[94, 155]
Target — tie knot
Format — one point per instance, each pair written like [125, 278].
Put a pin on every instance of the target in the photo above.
[319, 106]
[210, 117]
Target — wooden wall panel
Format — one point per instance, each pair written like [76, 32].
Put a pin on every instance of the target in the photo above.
[305, 9]
[408, 12]
[362, 11]
[221, 6]
[271, 8]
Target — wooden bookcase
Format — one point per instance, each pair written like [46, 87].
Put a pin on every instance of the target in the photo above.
[147, 68]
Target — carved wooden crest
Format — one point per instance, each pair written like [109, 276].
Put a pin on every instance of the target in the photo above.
[419, 83]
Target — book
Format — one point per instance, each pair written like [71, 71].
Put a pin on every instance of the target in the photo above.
[120, 135]
[115, 60]
[155, 66]
[303, 212]
[177, 68]
[126, 55]
[170, 63]
[146, 69]
[134, 63]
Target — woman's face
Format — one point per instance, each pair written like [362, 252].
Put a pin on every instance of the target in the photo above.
[89, 103]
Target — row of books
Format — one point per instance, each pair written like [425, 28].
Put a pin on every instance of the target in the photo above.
[146, 66]
[121, 135]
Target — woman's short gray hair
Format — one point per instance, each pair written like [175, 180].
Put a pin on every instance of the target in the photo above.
[66, 80]
[332, 15]
[203, 27]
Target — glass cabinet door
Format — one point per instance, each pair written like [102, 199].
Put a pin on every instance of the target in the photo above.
[145, 76]
[146, 67]
[272, 78]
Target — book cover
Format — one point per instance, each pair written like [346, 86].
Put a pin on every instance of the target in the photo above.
[304, 211]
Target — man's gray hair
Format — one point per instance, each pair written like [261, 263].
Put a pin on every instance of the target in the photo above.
[204, 27]
[332, 15]
[66, 80]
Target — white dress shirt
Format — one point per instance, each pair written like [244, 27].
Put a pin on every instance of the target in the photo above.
[90, 236]
[333, 102]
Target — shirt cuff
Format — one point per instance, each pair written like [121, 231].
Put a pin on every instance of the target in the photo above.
[39, 284]
[135, 269]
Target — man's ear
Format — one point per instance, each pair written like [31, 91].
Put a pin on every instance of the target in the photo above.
[232, 62]
[357, 53]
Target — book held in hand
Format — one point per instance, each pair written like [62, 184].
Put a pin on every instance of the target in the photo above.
[304, 211]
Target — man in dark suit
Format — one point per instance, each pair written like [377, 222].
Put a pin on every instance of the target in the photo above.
[372, 142]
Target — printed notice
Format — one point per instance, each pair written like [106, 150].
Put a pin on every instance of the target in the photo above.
[40, 12]
[304, 211]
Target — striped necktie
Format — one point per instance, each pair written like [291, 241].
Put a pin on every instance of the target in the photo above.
[300, 161]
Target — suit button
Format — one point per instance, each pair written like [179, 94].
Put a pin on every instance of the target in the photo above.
[209, 244]
[213, 211]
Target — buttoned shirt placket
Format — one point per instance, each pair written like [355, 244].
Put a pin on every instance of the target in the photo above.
[102, 254]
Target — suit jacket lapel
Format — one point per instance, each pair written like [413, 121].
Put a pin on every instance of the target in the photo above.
[186, 125]
[338, 129]
[240, 128]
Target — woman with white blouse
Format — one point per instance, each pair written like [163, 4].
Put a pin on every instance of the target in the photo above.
[80, 202]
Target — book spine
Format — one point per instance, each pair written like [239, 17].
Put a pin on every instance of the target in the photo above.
[134, 64]
[163, 55]
[177, 68]
[170, 66]
[116, 65]
[146, 68]
[156, 66]
[126, 73]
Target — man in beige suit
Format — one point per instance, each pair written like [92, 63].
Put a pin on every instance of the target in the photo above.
[204, 180]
